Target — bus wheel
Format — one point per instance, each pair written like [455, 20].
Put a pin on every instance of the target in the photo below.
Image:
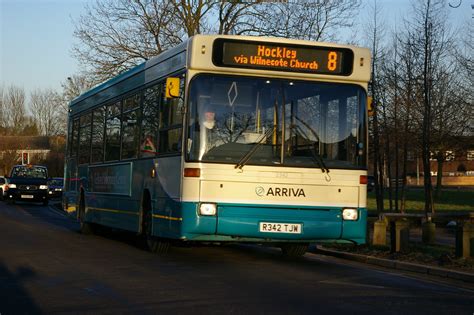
[157, 245]
[294, 250]
[86, 228]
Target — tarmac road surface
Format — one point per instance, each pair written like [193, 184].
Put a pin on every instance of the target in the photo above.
[47, 267]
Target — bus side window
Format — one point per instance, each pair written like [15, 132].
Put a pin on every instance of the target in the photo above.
[98, 125]
[150, 121]
[75, 137]
[112, 135]
[130, 127]
[85, 138]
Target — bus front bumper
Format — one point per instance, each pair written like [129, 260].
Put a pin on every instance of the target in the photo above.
[258, 223]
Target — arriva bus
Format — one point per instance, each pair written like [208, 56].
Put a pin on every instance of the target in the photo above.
[226, 139]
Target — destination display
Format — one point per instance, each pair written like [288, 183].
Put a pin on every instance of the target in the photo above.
[280, 57]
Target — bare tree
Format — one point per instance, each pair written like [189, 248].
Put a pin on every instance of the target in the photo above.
[14, 109]
[310, 20]
[2, 111]
[236, 18]
[9, 158]
[116, 35]
[408, 98]
[376, 32]
[46, 109]
[452, 111]
[74, 86]
[433, 43]
[464, 56]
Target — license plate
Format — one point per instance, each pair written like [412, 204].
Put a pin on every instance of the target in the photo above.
[270, 227]
[27, 196]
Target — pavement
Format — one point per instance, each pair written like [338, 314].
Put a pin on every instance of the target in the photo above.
[444, 236]
[399, 265]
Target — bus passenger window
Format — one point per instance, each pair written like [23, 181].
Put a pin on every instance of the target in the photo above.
[85, 139]
[98, 124]
[130, 135]
[112, 140]
[74, 139]
[150, 121]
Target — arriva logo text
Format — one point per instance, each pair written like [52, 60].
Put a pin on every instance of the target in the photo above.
[280, 192]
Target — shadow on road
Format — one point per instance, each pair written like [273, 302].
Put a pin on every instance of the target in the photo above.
[51, 215]
[14, 298]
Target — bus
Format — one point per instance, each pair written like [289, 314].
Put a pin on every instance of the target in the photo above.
[226, 139]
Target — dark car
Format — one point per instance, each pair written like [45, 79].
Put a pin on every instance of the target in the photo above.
[28, 183]
[55, 187]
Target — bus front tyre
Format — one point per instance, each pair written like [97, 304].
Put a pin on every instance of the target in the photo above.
[294, 250]
[157, 245]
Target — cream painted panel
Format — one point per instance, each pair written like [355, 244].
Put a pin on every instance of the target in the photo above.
[200, 58]
[277, 194]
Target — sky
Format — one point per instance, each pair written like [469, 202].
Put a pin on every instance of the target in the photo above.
[36, 38]
[36, 41]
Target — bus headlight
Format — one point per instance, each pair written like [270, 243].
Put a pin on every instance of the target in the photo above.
[43, 186]
[350, 214]
[207, 209]
[11, 185]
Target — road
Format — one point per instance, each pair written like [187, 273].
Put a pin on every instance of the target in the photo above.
[47, 267]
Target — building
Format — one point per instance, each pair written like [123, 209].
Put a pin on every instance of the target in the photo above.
[27, 149]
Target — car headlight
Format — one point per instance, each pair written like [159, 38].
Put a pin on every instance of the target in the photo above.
[350, 214]
[11, 185]
[43, 186]
[207, 209]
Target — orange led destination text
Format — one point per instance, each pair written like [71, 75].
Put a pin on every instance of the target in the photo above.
[276, 57]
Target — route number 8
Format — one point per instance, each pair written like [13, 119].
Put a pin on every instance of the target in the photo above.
[332, 61]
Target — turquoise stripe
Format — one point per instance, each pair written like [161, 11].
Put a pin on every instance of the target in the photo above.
[240, 222]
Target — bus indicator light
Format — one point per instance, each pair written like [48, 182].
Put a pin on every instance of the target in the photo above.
[192, 172]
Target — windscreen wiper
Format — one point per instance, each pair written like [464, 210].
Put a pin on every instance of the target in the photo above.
[315, 154]
[249, 154]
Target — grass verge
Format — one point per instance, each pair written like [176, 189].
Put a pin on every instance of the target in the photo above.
[449, 200]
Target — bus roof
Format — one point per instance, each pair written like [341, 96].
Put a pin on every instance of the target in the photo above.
[130, 73]
[175, 58]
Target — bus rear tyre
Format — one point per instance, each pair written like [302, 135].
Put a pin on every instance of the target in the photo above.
[85, 228]
[153, 244]
[294, 250]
